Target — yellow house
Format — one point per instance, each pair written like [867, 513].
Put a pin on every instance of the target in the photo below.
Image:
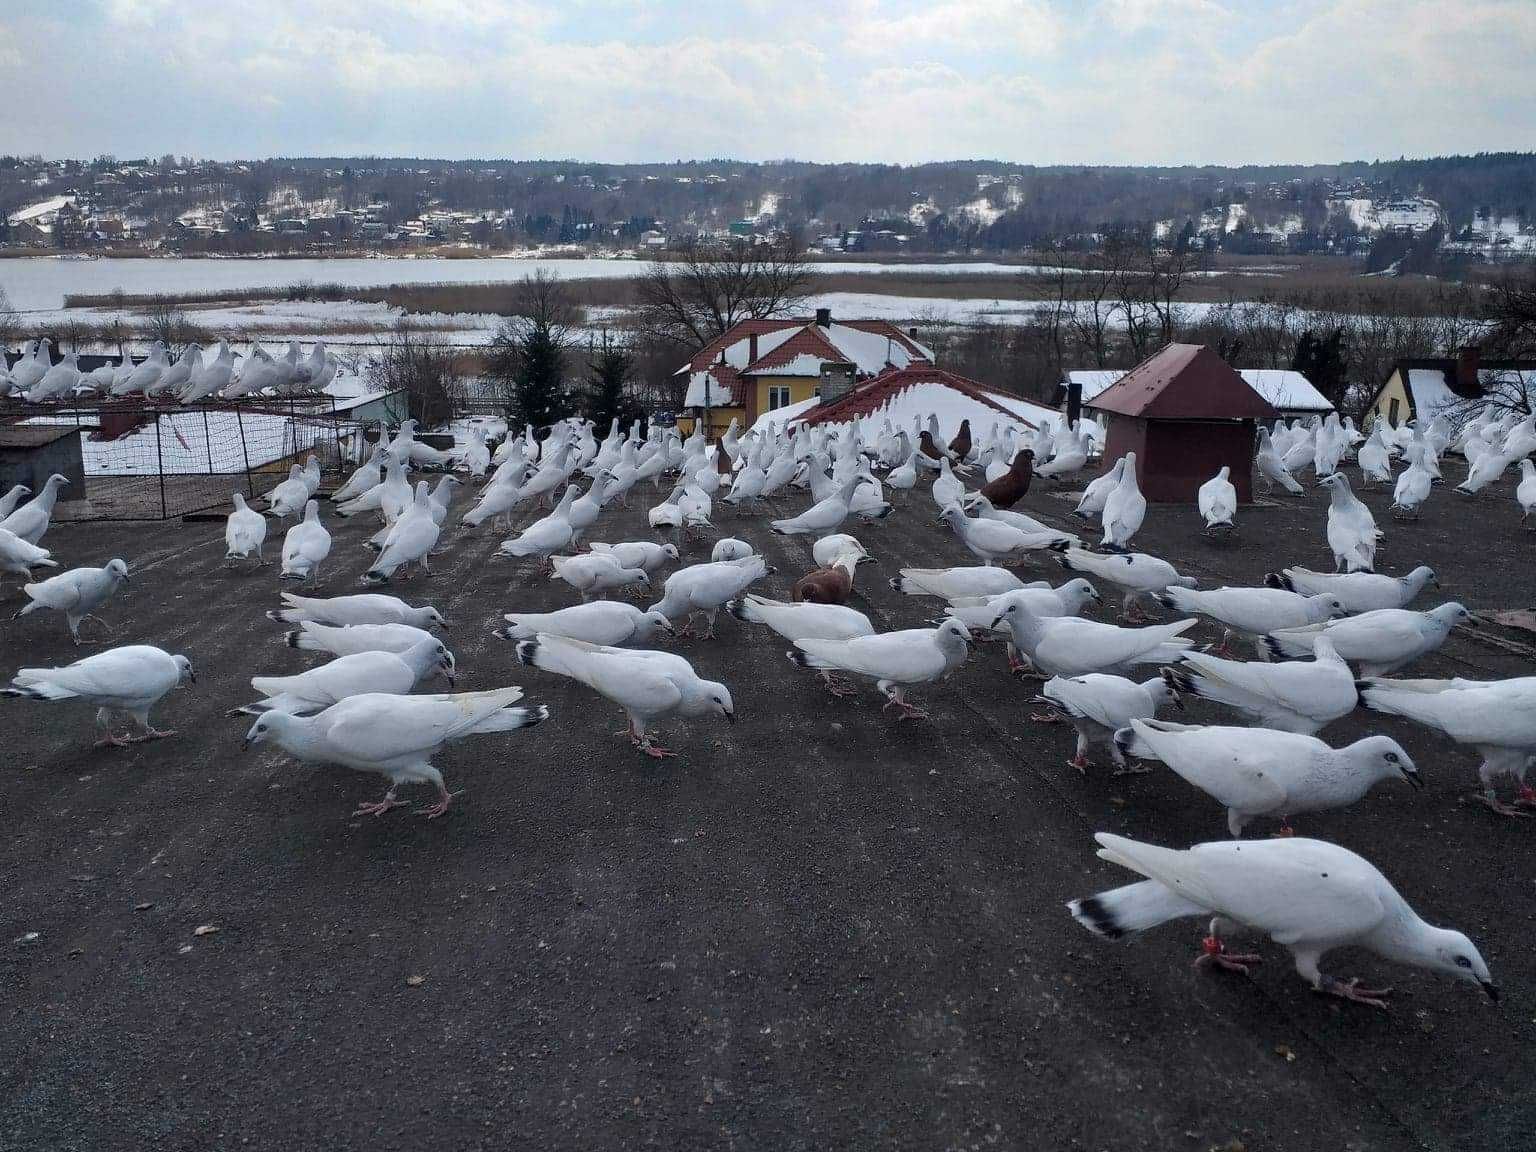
[761, 365]
[1421, 389]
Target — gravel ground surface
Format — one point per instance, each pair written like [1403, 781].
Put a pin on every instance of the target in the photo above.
[819, 928]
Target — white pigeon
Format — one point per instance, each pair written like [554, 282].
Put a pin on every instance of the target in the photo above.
[806, 621]
[290, 496]
[1352, 531]
[894, 660]
[1272, 467]
[1379, 642]
[394, 490]
[1072, 646]
[131, 679]
[1497, 717]
[393, 672]
[1306, 895]
[1124, 509]
[643, 554]
[1217, 500]
[545, 536]
[705, 588]
[953, 583]
[31, 520]
[245, 530]
[1300, 697]
[305, 545]
[947, 487]
[19, 557]
[1485, 470]
[976, 502]
[1251, 612]
[979, 613]
[394, 736]
[11, 499]
[363, 608]
[1525, 491]
[1256, 772]
[730, 548]
[345, 639]
[607, 622]
[1375, 460]
[823, 516]
[77, 593]
[366, 475]
[1099, 705]
[829, 548]
[410, 541]
[1136, 573]
[991, 540]
[1412, 488]
[1098, 490]
[595, 572]
[1358, 591]
[646, 684]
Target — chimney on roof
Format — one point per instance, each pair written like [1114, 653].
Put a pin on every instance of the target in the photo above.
[1467, 359]
[912, 332]
[836, 381]
[824, 317]
[752, 348]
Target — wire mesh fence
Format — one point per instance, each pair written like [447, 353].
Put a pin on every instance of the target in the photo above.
[147, 461]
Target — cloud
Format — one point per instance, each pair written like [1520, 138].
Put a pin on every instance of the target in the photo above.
[1043, 81]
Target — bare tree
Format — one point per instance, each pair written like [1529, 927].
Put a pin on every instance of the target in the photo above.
[423, 368]
[709, 286]
[10, 323]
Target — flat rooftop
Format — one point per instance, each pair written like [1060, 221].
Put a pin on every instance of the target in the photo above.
[816, 929]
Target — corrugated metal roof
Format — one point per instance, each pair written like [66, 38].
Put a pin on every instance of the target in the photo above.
[1184, 382]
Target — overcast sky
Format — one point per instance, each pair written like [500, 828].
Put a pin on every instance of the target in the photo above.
[1038, 81]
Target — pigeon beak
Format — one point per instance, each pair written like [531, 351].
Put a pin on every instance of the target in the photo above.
[443, 624]
[995, 623]
[126, 579]
[731, 716]
[1413, 777]
[245, 745]
[1491, 989]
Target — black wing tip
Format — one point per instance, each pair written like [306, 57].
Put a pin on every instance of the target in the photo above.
[292, 638]
[798, 657]
[527, 651]
[1180, 681]
[897, 583]
[736, 608]
[1278, 580]
[1272, 646]
[275, 614]
[1094, 915]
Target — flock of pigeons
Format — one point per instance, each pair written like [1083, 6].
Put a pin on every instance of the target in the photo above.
[1326, 642]
[188, 379]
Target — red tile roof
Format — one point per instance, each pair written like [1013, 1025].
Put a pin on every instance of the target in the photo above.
[728, 378]
[809, 341]
[1184, 382]
[870, 397]
[745, 329]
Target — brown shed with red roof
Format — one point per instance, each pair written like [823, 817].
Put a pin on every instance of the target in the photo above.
[1185, 412]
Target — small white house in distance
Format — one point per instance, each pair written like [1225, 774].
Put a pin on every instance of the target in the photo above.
[1291, 393]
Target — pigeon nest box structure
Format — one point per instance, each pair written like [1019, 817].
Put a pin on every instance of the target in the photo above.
[1185, 413]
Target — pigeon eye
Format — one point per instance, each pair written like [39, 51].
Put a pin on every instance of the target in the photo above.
[1463, 962]
[1391, 757]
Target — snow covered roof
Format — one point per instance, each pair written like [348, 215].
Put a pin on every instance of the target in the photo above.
[713, 389]
[754, 347]
[1094, 380]
[916, 393]
[1287, 390]
[1430, 390]
[781, 417]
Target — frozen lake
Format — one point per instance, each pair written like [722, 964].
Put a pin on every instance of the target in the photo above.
[43, 282]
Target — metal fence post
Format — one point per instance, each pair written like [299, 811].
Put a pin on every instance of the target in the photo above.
[160, 468]
[207, 438]
[245, 452]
